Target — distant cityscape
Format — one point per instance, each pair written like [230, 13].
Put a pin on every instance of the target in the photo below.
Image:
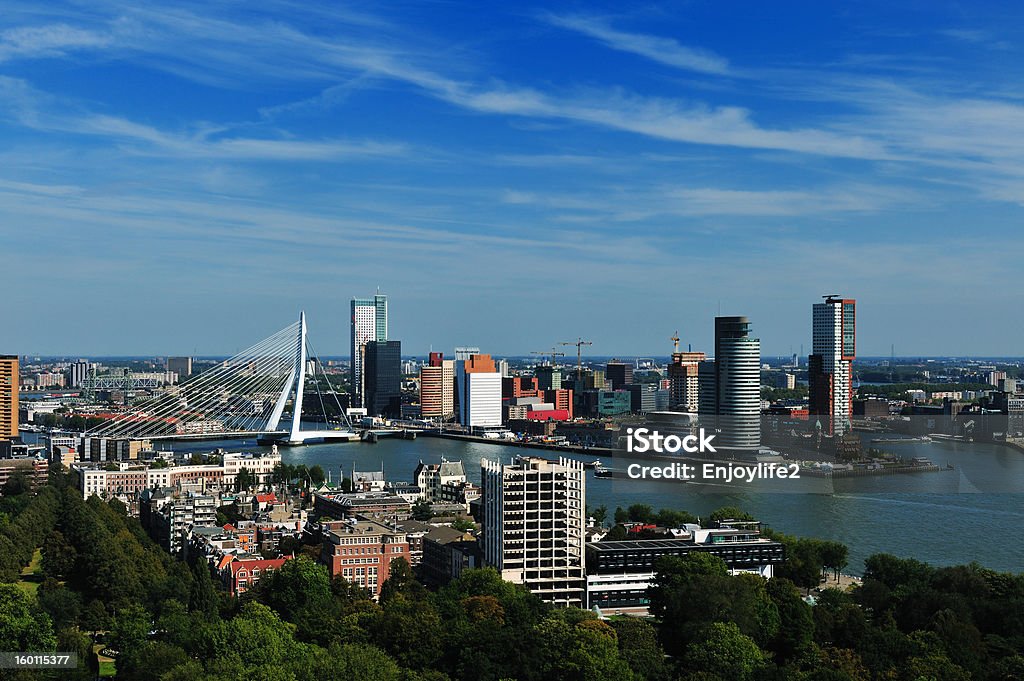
[104, 422]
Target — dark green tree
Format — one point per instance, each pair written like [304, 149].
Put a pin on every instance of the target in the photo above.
[421, 510]
[299, 583]
[639, 647]
[130, 627]
[795, 636]
[23, 627]
[244, 480]
[203, 594]
[725, 651]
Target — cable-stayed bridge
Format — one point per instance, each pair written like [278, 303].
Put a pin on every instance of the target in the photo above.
[244, 396]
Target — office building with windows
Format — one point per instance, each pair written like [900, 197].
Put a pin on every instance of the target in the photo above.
[383, 378]
[619, 573]
[181, 366]
[683, 382]
[8, 397]
[533, 525]
[369, 323]
[619, 374]
[479, 392]
[730, 387]
[830, 364]
[437, 388]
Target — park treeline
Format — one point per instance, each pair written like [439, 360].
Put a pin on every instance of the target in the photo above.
[166, 620]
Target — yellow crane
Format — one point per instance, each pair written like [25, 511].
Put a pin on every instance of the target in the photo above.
[553, 354]
[579, 355]
[675, 341]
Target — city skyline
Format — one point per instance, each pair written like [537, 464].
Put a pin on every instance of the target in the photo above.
[182, 180]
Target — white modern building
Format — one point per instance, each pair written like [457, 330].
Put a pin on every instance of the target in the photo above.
[369, 323]
[478, 386]
[829, 367]
[534, 524]
[730, 386]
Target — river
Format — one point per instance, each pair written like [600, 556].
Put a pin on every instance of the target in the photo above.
[940, 518]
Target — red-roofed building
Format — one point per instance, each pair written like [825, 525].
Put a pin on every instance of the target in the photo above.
[241, 574]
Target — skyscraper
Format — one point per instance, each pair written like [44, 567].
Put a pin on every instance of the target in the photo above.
[830, 364]
[383, 378]
[437, 388]
[181, 366]
[548, 377]
[369, 323]
[8, 397]
[534, 523]
[76, 374]
[619, 373]
[682, 376]
[730, 386]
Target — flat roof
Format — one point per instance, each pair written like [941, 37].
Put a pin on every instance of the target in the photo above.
[636, 544]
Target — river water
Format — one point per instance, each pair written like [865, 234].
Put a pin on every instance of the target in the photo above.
[972, 513]
[941, 518]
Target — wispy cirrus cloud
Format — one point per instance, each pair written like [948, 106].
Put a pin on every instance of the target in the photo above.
[663, 50]
[215, 50]
[42, 112]
[666, 201]
[50, 40]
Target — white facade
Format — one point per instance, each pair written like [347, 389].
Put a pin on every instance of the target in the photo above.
[430, 478]
[364, 330]
[479, 399]
[260, 466]
[827, 342]
[730, 386]
[95, 480]
[369, 323]
[534, 525]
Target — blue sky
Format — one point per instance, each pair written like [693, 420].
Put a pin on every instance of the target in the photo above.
[178, 180]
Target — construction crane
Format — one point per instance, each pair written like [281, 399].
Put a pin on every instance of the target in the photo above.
[579, 355]
[553, 354]
[675, 342]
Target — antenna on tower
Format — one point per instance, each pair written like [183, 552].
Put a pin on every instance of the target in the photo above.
[892, 362]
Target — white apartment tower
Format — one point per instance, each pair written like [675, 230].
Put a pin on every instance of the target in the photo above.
[830, 365]
[534, 525]
[369, 323]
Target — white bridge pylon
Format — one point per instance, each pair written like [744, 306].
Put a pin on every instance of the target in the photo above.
[233, 398]
[297, 382]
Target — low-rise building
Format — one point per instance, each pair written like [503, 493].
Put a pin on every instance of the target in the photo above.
[620, 572]
[340, 505]
[34, 469]
[361, 551]
[431, 477]
[447, 552]
[241, 573]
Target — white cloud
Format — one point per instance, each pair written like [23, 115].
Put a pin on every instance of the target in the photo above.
[662, 50]
[52, 40]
